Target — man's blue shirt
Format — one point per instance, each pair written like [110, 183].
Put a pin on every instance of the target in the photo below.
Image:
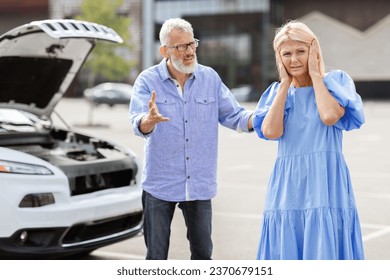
[180, 162]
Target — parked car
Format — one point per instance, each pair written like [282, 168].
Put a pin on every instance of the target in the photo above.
[246, 93]
[109, 93]
[62, 192]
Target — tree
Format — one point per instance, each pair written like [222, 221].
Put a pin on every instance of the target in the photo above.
[107, 60]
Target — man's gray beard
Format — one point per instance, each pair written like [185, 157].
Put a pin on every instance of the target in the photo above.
[179, 66]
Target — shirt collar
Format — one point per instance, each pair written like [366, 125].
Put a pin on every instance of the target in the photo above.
[164, 73]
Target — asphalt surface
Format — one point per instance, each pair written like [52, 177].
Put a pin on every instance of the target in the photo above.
[245, 163]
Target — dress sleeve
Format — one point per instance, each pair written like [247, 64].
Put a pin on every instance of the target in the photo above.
[263, 107]
[342, 87]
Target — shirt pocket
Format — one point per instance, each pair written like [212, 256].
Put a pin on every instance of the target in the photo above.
[205, 108]
[166, 106]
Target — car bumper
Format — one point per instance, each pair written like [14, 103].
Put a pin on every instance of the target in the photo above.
[73, 224]
[38, 243]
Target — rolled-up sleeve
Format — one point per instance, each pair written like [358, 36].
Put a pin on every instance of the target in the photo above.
[231, 113]
[139, 107]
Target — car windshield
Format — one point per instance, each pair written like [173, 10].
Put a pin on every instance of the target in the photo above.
[15, 120]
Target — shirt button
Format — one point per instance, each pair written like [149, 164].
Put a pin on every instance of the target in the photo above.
[187, 158]
[186, 140]
[186, 121]
[188, 177]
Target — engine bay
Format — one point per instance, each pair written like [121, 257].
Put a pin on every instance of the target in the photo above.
[89, 163]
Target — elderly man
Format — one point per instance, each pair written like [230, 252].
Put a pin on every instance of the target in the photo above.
[177, 106]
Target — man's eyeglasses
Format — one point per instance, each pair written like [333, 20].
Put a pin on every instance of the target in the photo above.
[183, 47]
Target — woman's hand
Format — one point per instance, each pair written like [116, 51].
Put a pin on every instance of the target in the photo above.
[283, 74]
[314, 60]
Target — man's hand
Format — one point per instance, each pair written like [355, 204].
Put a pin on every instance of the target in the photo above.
[148, 123]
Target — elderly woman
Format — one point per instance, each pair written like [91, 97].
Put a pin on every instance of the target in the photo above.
[310, 210]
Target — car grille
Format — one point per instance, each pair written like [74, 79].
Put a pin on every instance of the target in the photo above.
[88, 233]
[100, 181]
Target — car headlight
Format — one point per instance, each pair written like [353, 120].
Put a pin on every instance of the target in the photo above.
[23, 168]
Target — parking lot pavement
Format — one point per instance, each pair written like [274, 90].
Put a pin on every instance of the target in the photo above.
[245, 164]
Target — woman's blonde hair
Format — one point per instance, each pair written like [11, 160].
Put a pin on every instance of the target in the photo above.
[300, 32]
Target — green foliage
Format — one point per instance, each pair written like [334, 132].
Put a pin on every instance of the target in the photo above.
[107, 59]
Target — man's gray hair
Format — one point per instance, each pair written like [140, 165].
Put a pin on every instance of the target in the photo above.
[173, 23]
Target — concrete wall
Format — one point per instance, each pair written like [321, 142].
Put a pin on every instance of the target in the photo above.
[365, 55]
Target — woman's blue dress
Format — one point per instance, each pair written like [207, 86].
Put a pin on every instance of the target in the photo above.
[310, 210]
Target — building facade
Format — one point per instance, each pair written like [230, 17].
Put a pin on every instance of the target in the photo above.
[236, 35]
[231, 33]
[14, 13]
[354, 37]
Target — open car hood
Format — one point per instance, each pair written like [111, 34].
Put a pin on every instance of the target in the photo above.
[39, 61]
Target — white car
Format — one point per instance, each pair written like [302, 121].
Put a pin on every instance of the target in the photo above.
[62, 192]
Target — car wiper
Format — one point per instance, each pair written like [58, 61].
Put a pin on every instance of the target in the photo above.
[10, 126]
[15, 124]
